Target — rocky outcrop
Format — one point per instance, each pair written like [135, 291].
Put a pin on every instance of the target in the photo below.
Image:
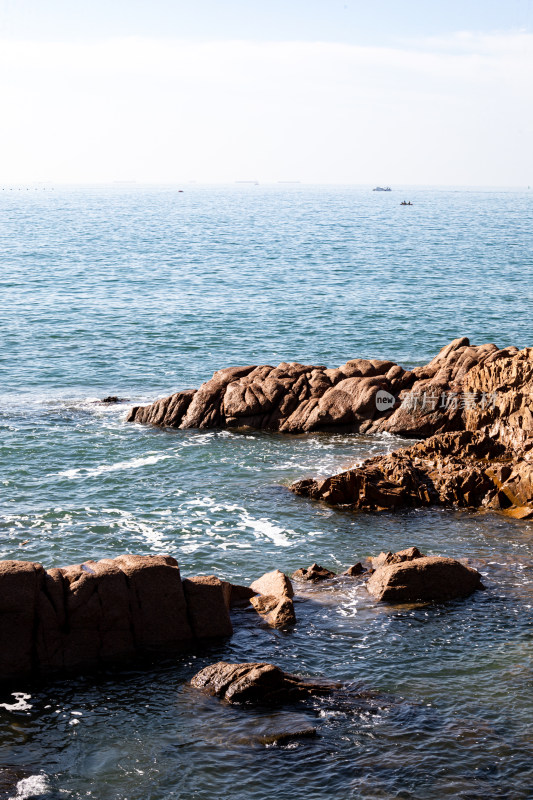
[464, 470]
[104, 612]
[361, 395]
[257, 683]
[486, 462]
[422, 578]
[273, 599]
[475, 402]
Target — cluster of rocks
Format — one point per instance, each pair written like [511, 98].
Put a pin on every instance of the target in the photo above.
[475, 402]
[402, 577]
[104, 612]
[406, 576]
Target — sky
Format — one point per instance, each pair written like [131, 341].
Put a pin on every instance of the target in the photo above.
[392, 91]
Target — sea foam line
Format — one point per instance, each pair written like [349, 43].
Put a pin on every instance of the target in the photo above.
[134, 463]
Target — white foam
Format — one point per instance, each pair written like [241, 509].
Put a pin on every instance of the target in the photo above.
[21, 703]
[263, 527]
[133, 463]
[31, 787]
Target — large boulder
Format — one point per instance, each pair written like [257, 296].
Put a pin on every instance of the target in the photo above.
[428, 578]
[102, 612]
[259, 683]
[208, 601]
[20, 584]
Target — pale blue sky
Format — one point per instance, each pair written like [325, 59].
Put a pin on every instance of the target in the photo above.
[350, 21]
[320, 91]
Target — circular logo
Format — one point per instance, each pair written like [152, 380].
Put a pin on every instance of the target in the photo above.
[384, 400]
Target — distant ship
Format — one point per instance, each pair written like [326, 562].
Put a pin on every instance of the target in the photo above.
[382, 189]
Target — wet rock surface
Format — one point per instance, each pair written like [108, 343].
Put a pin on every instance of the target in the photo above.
[422, 578]
[314, 573]
[258, 683]
[354, 571]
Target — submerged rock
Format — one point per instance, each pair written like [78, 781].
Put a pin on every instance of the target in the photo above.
[423, 578]
[258, 683]
[282, 737]
[314, 573]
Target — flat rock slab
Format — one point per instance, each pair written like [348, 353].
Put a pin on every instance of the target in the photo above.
[426, 579]
[256, 682]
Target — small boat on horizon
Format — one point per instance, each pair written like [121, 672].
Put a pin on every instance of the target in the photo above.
[382, 189]
[405, 203]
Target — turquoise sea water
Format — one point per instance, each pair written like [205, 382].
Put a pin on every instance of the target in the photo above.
[141, 292]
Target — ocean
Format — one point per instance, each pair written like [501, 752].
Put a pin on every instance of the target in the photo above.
[139, 292]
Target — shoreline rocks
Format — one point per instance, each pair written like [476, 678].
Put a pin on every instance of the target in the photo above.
[108, 612]
[475, 403]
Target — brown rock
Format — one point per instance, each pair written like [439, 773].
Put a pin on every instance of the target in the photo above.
[354, 571]
[296, 397]
[277, 611]
[20, 582]
[273, 583]
[157, 602]
[208, 602]
[240, 595]
[101, 612]
[314, 573]
[429, 578]
[255, 683]
[396, 558]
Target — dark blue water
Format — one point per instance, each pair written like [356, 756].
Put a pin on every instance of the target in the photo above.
[138, 293]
